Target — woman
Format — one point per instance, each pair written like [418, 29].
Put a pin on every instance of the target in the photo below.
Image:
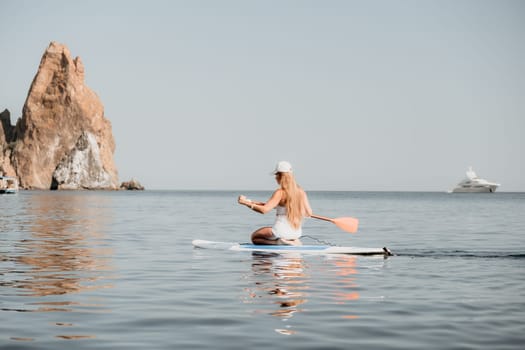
[292, 206]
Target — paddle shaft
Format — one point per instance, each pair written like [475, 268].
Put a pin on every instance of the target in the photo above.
[321, 218]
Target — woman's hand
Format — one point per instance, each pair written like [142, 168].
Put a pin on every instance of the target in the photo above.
[242, 200]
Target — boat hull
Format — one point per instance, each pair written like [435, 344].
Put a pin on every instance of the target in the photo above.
[484, 189]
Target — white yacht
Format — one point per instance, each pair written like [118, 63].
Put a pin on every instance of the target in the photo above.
[8, 184]
[472, 184]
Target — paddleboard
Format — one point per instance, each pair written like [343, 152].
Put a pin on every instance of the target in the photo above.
[305, 249]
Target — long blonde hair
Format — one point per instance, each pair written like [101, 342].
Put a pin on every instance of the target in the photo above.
[294, 199]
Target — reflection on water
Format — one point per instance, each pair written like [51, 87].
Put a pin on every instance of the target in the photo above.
[287, 282]
[55, 248]
[346, 271]
[65, 251]
[283, 278]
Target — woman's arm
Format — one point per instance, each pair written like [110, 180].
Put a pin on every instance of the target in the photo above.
[245, 201]
[261, 207]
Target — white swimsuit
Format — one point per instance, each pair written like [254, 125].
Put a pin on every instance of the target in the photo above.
[282, 228]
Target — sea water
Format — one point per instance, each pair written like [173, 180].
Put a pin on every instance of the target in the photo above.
[116, 270]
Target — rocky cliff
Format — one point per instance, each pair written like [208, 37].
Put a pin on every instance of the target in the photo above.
[63, 140]
[6, 145]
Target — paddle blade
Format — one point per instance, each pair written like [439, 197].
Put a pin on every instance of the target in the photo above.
[347, 224]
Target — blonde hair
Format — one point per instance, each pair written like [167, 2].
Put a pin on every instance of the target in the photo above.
[294, 199]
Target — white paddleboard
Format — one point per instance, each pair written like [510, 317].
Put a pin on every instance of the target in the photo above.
[306, 249]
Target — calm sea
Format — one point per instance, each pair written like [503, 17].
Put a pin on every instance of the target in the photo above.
[116, 270]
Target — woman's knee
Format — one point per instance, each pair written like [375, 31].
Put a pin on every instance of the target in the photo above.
[262, 233]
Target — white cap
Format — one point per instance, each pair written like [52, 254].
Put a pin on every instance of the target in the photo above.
[282, 167]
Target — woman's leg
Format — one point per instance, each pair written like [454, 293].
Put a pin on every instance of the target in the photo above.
[296, 241]
[264, 235]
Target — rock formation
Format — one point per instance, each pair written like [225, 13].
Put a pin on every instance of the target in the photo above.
[6, 138]
[63, 140]
[6, 129]
[82, 167]
[131, 185]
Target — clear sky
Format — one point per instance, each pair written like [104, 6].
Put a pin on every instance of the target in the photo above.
[357, 95]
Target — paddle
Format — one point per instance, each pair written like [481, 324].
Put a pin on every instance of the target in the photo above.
[345, 224]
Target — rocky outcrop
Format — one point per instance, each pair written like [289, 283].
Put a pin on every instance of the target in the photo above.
[82, 167]
[131, 185]
[6, 138]
[6, 129]
[63, 139]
